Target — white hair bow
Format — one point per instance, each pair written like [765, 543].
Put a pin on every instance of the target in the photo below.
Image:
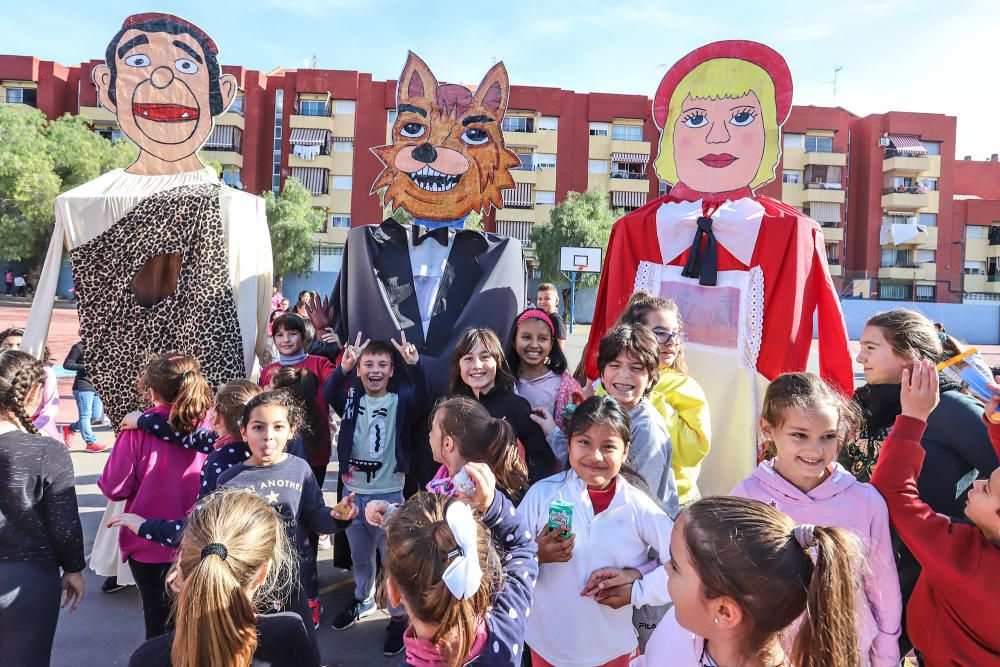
[464, 575]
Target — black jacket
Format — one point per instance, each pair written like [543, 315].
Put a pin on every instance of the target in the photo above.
[75, 362]
[505, 404]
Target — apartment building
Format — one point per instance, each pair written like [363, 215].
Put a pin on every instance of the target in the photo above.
[901, 219]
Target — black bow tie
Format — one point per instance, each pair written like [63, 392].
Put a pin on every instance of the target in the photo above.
[439, 234]
[705, 268]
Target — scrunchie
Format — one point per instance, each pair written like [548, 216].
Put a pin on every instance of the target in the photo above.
[464, 575]
[215, 549]
[805, 535]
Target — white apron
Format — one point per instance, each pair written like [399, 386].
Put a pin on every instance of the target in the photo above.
[724, 325]
[106, 556]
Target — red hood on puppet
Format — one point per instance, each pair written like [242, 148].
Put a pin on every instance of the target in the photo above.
[447, 157]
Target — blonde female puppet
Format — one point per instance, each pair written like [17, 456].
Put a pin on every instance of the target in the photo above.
[748, 272]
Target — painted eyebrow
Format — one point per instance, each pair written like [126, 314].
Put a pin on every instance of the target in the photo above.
[131, 44]
[187, 49]
[476, 119]
[741, 106]
[414, 109]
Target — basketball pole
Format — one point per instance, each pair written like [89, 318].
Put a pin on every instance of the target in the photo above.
[572, 300]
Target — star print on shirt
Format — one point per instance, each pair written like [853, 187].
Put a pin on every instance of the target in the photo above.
[272, 497]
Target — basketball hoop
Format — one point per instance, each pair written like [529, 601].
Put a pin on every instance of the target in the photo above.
[581, 267]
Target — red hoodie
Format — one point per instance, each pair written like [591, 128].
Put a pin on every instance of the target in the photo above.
[953, 614]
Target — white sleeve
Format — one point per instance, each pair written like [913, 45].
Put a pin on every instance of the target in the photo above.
[528, 511]
[37, 329]
[655, 528]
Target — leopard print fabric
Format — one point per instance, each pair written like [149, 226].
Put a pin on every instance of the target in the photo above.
[198, 317]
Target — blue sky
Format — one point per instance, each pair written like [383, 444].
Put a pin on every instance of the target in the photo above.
[896, 54]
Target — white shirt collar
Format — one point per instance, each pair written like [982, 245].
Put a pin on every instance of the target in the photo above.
[735, 224]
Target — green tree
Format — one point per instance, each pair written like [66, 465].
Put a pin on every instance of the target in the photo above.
[292, 221]
[579, 220]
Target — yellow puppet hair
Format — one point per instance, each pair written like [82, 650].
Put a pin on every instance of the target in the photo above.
[714, 79]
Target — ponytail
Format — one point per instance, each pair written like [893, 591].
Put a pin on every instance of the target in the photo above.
[19, 373]
[828, 635]
[177, 379]
[503, 458]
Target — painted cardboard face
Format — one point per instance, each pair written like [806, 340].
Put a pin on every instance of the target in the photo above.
[720, 109]
[447, 157]
[163, 83]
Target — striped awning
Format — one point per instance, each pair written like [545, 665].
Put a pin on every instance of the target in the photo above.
[349, 139]
[303, 136]
[628, 199]
[907, 143]
[630, 158]
[516, 229]
[823, 211]
[520, 196]
[314, 179]
[223, 136]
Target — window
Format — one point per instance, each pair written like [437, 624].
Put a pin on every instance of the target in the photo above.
[22, 96]
[902, 183]
[975, 232]
[894, 291]
[345, 106]
[545, 197]
[794, 140]
[926, 256]
[231, 176]
[892, 219]
[663, 188]
[338, 221]
[328, 257]
[791, 176]
[833, 253]
[237, 105]
[932, 147]
[518, 124]
[629, 170]
[929, 184]
[527, 161]
[112, 134]
[600, 129]
[975, 268]
[597, 166]
[893, 257]
[819, 144]
[548, 123]
[545, 161]
[626, 132]
[993, 268]
[925, 292]
[313, 108]
[279, 101]
[822, 176]
[342, 182]
[929, 219]
[391, 117]
[343, 146]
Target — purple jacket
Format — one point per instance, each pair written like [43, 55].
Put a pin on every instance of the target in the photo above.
[155, 478]
[844, 502]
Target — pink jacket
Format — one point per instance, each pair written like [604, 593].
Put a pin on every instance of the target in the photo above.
[844, 502]
[48, 408]
[155, 479]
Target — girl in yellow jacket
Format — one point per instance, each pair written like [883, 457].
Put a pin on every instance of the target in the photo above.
[677, 396]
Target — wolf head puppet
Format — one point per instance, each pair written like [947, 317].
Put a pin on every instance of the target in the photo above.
[447, 157]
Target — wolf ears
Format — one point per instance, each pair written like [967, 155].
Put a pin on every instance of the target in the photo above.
[416, 82]
[494, 90]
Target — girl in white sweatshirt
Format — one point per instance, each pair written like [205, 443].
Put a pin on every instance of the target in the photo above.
[615, 521]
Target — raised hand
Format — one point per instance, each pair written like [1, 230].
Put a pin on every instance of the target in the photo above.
[543, 418]
[352, 353]
[406, 350]
[320, 313]
[918, 394]
[327, 336]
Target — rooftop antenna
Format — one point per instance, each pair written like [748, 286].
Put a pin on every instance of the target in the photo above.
[836, 71]
[314, 62]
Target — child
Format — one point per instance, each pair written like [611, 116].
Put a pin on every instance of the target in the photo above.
[952, 615]
[40, 531]
[676, 396]
[374, 451]
[234, 559]
[539, 365]
[45, 413]
[548, 302]
[479, 370]
[804, 422]
[741, 572]
[156, 478]
[288, 332]
[443, 565]
[269, 422]
[88, 403]
[628, 360]
[303, 385]
[615, 522]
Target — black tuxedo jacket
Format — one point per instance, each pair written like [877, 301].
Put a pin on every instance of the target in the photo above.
[483, 286]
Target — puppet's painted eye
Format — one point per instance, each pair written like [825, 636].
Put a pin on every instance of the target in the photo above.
[186, 66]
[412, 130]
[137, 60]
[743, 117]
[696, 119]
[475, 136]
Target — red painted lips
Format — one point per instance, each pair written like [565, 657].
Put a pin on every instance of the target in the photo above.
[164, 113]
[718, 161]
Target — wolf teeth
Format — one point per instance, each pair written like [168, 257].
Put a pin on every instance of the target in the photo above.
[434, 181]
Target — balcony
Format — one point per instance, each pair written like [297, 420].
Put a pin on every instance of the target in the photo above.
[833, 232]
[823, 192]
[907, 164]
[629, 175]
[304, 107]
[905, 198]
[825, 158]
[927, 271]
[516, 229]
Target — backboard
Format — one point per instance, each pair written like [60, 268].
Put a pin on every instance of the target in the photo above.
[582, 259]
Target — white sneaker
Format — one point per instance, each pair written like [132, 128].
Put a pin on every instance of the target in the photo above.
[324, 543]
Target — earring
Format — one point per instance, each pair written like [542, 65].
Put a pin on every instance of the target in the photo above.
[716, 620]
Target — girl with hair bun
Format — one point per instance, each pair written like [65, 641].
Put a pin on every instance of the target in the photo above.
[234, 559]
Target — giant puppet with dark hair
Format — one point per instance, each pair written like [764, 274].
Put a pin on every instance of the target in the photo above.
[164, 256]
[748, 272]
[431, 278]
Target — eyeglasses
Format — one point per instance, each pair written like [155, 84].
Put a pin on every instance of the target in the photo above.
[667, 336]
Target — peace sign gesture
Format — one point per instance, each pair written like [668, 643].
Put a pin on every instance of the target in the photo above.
[352, 353]
[407, 350]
